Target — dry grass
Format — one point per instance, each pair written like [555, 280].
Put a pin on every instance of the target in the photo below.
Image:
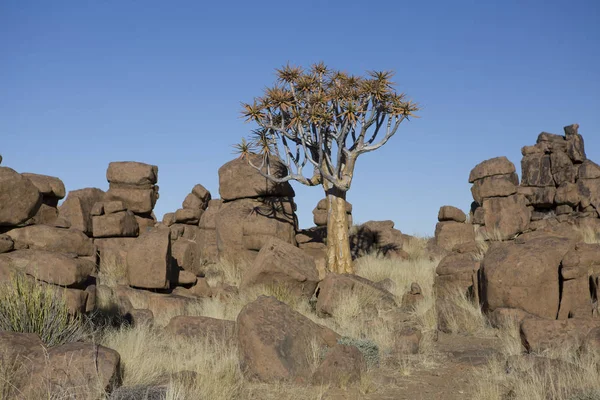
[112, 271]
[589, 235]
[462, 316]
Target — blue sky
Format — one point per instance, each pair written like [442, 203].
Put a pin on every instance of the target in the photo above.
[83, 83]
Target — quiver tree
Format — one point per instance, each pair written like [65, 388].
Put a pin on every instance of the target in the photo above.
[317, 122]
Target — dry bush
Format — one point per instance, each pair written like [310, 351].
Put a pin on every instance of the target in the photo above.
[29, 306]
[148, 356]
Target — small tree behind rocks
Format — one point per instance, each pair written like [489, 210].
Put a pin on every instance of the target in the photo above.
[319, 121]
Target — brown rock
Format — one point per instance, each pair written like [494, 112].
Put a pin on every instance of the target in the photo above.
[149, 260]
[111, 207]
[168, 219]
[42, 237]
[575, 301]
[320, 217]
[273, 340]
[81, 369]
[525, 275]
[186, 278]
[15, 347]
[188, 216]
[77, 208]
[209, 217]
[336, 288]
[113, 257]
[185, 254]
[564, 209]
[449, 233]
[281, 264]
[589, 170]
[491, 167]
[132, 173]
[406, 341]
[457, 263]
[567, 193]
[576, 148]
[542, 334]
[145, 223]
[6, 244]
[506, 317]
[202, 327]
[198, 199]
[536, 170]
[541, 197]
[19, 198]
[589, 191]
[49, 186]
[506, 216]
[138, 199]
[57, 268]
[494, 186]
[141, 317]
[562, 168]
[342, 365]
[120, 224]
[450, 213]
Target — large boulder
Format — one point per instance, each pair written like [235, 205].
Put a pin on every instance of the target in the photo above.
[118, 224]
[15, 347]
[491, 167]
[525, 275]
[282, 264]
[48, 186]
[450, 213]
[589, 191]
[536, 170]
[494, 186]
[342, 365]
[138, 199]
[132, 173]
[202, 327]
[198, 199]
[149, 260]
[562, 168]
[57, 268]
[42, 237]
[506, 216]
[77, 208]
[19, 198]
[450, 233]
[239, 180]
[274, 341]
[539, 335]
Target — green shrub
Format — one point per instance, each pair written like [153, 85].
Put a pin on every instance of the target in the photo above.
[28, 306]
[368, 348]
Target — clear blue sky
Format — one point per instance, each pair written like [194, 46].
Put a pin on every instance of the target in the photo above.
[83, 83]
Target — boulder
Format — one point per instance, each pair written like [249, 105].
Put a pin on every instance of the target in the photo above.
[239, 180]
[491, 167]
[281, 264]
[48, 186]
[589, 191]
[6, 244]
[15, 347]
[575, 300]
[132, 173]
[113, 257]
[450, 213]
[505, 217]
[198, 199]
[567, 193]
[83, 370]
[208, 219]
[56, 268]
[202, 327]
[138, 199]
[42, 237]
[525, 276]
[539, 335]
[149, 260]
[19, 198]
[185, 254]
[536, 170]
[589, 170]
[449, 233]
[77, 208]
[336, 288]
[188, 216]
[342, 365]
[120, 224]
[111, 207]
[273, 341]
[494, 186]
[541, 197]
[562, 168]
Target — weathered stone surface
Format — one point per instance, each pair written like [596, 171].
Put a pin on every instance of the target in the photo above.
[77, 208]
[564, 209]
[493, 166]
[168, 219]
[589, 191]
[342, 365]
[536, 170]
[185, 254]
[132, 173]
[209, 217]
[188, 216]
[335, 288]
[19, 198]
[567, 193]
[449, 233]
[138, 199]
[450, 213]
[320, 217]
[185, 278]
[202, 327]
[111, 207]
[42, 237]
[525, 276]
[149, 260]
[576, 148]
[506, 317]
[239, 180]
[80, 369]
[15, 347]
[457, 263]
[141, 317]
[6, 244]
[57, 268]
[120, 224]
[562, 168]
[542, 197]
[589, 170]
[273, 340]
[198, 199]
[113, 256]
[240, 220]
[145, 223]
[49, 186]
[494, 186]
[543, 334]
[406, 341]
[575, 301]
[281, 264]
[506, 216]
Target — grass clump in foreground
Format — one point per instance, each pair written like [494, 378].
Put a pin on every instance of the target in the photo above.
[29, 306]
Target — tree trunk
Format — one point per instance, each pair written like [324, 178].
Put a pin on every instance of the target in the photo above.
[339, 259]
